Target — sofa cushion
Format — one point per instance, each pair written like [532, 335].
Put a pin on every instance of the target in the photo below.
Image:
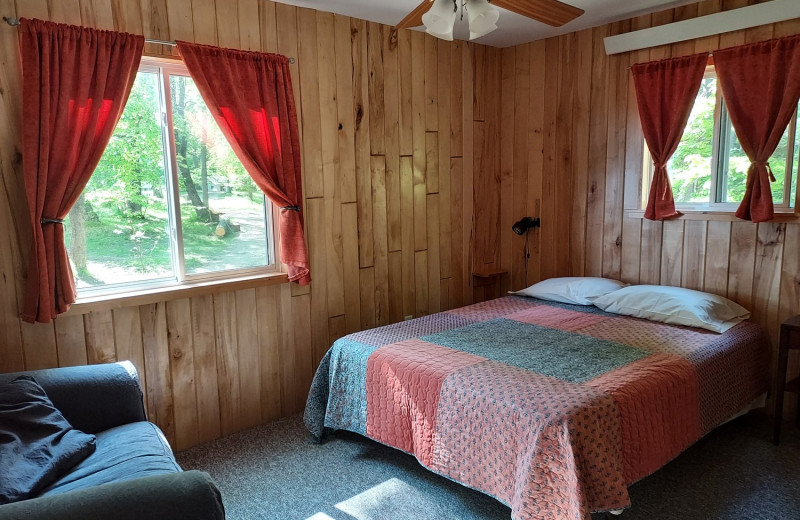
[126, 452]
[37, 444]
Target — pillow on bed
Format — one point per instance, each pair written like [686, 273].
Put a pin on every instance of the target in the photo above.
[675, 305]
[575, 290]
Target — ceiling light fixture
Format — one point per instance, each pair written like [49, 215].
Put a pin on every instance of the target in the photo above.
[441, 18]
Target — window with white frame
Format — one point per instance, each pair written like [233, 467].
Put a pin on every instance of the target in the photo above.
[709, 168]
[169, 202]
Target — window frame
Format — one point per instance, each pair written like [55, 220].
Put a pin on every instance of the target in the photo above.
[723, 131]
[194, 283]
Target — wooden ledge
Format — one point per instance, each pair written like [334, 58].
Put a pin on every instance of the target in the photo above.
[172, 292]
[724, 216]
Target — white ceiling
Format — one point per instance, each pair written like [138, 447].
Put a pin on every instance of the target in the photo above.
[513, 29]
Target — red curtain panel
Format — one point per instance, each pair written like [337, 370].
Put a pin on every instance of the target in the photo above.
[75, 81]
[665, 93]
[761, 87]
[250, 95]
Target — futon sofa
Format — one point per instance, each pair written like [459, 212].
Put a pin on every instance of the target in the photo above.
[132, 473]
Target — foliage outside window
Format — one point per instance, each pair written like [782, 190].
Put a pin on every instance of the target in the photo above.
[709, 168]
[169, 201]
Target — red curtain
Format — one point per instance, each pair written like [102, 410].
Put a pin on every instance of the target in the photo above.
[761, 86]
[75, 82]
[665, 92]
[250, 95]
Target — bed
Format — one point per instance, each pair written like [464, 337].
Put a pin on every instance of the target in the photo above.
[553, 409]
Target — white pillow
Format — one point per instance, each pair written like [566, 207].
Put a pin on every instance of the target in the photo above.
[573, 289]
[675, 305]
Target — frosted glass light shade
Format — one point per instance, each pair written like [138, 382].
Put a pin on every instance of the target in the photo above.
[482, 18]
[440, 19]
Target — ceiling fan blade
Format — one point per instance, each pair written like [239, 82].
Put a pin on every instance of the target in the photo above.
[551, 12]
[414, 18]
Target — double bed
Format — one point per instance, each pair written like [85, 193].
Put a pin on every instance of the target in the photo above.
[553, 409]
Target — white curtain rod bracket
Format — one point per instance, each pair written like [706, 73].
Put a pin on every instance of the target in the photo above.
[13, 22]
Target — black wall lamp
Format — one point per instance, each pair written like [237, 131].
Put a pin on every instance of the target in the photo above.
[523, 225]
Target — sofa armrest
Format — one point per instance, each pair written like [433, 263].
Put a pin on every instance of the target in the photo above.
[189, 495]
[93, 398]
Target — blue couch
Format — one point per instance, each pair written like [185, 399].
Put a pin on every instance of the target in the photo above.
[132, 474]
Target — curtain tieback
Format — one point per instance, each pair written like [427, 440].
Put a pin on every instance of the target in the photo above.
[51, 221]
[766, 165]
[291, 208]
[663, 167]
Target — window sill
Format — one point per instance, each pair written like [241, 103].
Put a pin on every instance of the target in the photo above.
[89, 304]
[723, 216]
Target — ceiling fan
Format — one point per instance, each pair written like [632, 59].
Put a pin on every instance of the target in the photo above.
[439, 16]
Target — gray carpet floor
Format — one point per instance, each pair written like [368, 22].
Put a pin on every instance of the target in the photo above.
[276, 472]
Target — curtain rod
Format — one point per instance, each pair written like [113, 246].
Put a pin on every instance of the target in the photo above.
[15, 21]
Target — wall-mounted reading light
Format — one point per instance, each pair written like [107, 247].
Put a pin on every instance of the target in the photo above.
[524, 224]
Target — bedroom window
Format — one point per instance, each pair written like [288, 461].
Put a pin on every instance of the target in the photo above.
[709, 168]
[169, 201]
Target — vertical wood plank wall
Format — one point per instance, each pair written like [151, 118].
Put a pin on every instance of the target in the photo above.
[389, 122]
[572, 142]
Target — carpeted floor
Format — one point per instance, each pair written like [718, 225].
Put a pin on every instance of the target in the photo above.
[276, 472]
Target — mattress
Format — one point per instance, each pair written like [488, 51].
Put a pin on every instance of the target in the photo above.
[553, 409]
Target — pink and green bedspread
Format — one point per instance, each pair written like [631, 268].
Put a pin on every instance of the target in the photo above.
[553, 409]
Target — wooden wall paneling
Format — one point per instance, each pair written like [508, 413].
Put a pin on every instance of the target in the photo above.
[71, 341]
[97, 13]
[39, 345]
[346, 172]
[329, 148]
[431, 60]
[351, 270]
[457, 289]
[405, 62]
[304, 370]
[65, 11]
[128, 16]
[718, 245]
[672, 252]
[421, 287]
[457, 114]
[564, 151]
[225, 328]
[790, 299]
[380, 229]
[287, 357]
[366, 238]
[444, 85]
[11, 349]
[535, 140]
[367, 299]
[227, 17]
[580, 150]
[390, 110]
[182, 370]
[395, 287]
[598, 143]
[742, 262]
[128, 341]
[519, 188]
[550, 214]
[433, 274]
[377, 114]
[249, 372]
[155, 25]
[766, 277]
[250, 26]
[155, 345]
[313, 179]
[507, 109]
[179, 21]
[268, 351]
[99, 330]
[269, 26]
[694, 254]
[407, 216]
[316, 225]
[615, 159]
[467, 170]
[204, 20]
[204, 343]
[418, 140]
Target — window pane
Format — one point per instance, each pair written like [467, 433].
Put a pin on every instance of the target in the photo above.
[738, 164]
[222, 210]
[117, 232]
[690, 166]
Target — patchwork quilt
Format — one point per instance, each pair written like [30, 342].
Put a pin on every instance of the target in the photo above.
[552, 409]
